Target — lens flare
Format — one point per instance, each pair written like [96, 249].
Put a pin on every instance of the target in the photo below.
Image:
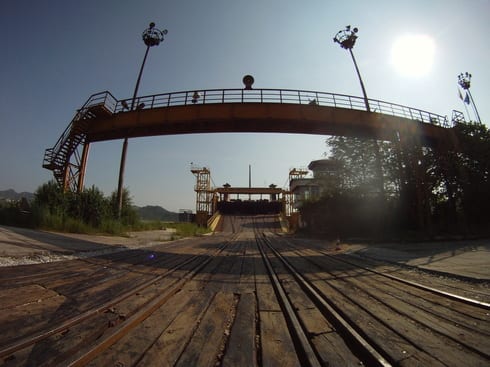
[413, 55]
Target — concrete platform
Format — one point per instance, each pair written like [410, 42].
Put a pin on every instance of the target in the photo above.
[470, 258]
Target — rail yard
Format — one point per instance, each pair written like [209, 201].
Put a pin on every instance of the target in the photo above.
[247, 296]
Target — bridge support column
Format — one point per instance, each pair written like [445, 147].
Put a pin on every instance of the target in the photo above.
[74, 170]
[66, 177]
[121, 178]
[82, 168]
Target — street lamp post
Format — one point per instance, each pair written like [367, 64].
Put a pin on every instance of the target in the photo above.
[347, 39]
[151, 37]
[464, 80]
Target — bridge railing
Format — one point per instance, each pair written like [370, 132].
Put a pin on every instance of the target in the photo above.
[283, 96]
[105, 99]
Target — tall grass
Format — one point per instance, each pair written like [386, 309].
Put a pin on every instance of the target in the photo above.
[188, 229]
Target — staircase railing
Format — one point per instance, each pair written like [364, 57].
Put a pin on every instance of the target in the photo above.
[105, 99]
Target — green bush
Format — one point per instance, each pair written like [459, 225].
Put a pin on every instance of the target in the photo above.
[86, 212]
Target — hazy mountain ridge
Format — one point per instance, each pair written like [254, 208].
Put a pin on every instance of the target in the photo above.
[155, 212]
[13, 195]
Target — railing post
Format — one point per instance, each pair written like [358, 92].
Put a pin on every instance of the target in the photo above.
[261, 96]
[223, 96]
[168, 99]
[280, 95]
[299, 97]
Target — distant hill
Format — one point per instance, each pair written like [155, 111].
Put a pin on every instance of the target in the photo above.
[13, 195]
[155, 212]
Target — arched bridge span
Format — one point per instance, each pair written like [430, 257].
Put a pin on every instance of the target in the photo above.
[103, 117]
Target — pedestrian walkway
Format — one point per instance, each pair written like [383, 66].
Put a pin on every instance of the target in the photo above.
[469, 259]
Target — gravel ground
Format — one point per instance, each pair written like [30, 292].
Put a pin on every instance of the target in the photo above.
[19, 246]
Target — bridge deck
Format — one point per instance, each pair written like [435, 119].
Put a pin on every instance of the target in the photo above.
[103, 117]
[259, 118]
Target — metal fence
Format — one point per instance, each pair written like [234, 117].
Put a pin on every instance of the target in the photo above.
[281, 96]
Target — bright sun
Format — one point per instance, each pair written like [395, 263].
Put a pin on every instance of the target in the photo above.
[413, 55]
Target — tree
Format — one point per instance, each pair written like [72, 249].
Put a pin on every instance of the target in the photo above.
[55, 208]
[367, 165]
[471, 172]
[89, 206]
[129, 215]
[357, 200]
[51, 197]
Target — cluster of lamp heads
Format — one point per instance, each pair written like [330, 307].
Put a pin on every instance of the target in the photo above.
[464, 80]
[346, 37]
[153, 36]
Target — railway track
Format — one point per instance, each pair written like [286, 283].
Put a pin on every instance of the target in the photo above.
[139, 299]
[346, 339]
[246, 298]
[385, 314]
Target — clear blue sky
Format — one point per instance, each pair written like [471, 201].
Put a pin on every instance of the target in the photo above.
[55, 54]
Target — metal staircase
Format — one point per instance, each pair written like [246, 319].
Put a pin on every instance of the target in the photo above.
[65, 158]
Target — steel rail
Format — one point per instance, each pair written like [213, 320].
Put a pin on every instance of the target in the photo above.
[433, 290]
[90, 352]
[367, 351]
[87, 354]
[453, 296]
[440, 293]
[39, 336]
[305, 350]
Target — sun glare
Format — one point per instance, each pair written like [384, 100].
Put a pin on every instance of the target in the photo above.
[413, 55]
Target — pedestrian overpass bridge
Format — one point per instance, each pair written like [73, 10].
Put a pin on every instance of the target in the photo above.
[103, 117]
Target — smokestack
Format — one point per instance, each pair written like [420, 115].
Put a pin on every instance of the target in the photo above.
[249, 176]
[249, 179]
